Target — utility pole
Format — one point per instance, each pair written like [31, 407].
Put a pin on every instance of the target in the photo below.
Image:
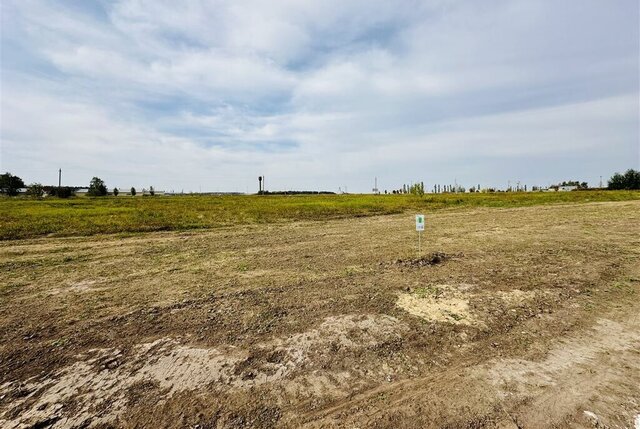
[60, 178]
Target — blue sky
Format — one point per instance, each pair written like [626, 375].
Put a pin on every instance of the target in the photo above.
[319, 95]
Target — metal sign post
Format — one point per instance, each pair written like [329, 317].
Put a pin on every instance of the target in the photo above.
[419, 228]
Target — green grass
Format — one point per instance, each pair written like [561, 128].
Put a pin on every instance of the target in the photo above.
[25, 218]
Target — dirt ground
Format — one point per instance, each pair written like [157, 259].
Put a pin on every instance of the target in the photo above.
[528, 318]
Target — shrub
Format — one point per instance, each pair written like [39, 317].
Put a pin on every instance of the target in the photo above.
[62, 192]
[9, 184]
[35, 190]
[97, 187]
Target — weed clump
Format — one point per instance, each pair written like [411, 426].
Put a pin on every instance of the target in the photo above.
[432, 259]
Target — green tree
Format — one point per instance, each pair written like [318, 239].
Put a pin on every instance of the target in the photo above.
[115, 192]
[133, 191]
[417, 189]
[97, 187]
[35, 190]
[616, 181]
[632, 179]
[62, 192]
[9, 184]
[629, 180]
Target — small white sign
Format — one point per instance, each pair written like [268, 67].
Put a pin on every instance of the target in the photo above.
[419, 222]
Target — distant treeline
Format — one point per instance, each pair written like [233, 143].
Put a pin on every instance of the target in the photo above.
[297, 193]
[13, 185]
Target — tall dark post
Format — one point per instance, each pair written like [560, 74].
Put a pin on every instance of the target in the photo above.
[59, 178]
[259, 184]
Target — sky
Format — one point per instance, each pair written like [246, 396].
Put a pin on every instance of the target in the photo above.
[319, 95]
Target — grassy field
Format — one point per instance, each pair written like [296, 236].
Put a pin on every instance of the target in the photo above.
[27, 218]
[529, 317]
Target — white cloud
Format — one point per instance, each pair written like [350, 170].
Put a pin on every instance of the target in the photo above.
[318, 95]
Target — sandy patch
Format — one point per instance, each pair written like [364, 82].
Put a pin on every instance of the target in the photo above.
[607, 337]
[450, 303]
[82, 286]
[100, 380]
[440, 303]
[597, 370]
[516, 296]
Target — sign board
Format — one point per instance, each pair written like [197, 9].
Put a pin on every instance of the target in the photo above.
[419, 222]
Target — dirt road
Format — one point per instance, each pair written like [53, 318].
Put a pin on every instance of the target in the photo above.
[529, 318]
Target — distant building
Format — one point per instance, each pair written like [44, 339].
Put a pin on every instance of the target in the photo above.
[148, 192]
[567, 188]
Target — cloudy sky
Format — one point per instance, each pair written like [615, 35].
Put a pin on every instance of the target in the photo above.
[207, 95]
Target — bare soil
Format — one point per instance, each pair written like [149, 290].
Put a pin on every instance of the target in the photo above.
[511, 318]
